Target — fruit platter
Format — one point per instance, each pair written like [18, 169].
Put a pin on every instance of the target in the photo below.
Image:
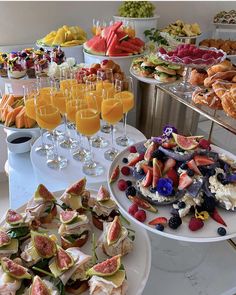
[72, 242]
[178, 187]
[180, 29]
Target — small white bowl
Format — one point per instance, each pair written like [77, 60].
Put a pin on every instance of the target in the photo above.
[19, 147]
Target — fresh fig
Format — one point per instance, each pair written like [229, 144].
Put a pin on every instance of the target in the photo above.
[13, 217]
[39, 287]
[157, 166]
[68, 216]
[186, 143]
[103, 194]
[77, 188]
[45, 247]
[105, 268]
[142, 203]
[4, 238]
[114, 231]
[63, 259]
[115, 174]
[148, 154]
[42, 193]
[14, 269]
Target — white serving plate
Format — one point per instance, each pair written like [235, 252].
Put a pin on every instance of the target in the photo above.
[137, 263]
[207, 234]
[143, 79]
[14, 128]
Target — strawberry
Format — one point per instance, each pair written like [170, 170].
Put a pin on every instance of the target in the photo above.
[195, 224]
[216, 216]
[169, 163]
[158, 220]
[202, 160]
[184, 181]
[204, 144]
[157, 166]
[146, 168]
[136, 160]
[147, 181]
[172, 174]
[192, 165]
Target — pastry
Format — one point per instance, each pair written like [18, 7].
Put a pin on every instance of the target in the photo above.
[228, 75]
[224, 66]
[233, 90]
[197, 77]
[221, 87]
[107, 64]
[208, 98]
[229, 104]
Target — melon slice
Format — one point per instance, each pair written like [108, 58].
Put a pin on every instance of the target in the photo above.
[10, 118]
[5, 111]
[29, 123]
[96, 45]
[19, 121]
[112, 49]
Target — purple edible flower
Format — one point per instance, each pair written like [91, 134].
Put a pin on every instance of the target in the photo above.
[157, 139]
[168, 130]
[165, 186]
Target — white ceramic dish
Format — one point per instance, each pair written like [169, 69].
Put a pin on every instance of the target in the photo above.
[207, 234]
[19, 148]
[14, 128]
[137, 263]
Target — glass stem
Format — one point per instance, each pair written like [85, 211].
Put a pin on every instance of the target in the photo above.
[186, 78]
[55, 143]
[66, 127]
[90, 148]
[42, 139]
[125, 124]
[112, 136]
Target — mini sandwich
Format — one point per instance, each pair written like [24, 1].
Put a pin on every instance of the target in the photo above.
[136, 63]
[76, 197]
[108, 277]
[17, 225]
[103, 208]
[8, 246]
[165, 74]
[115, 239]
[42, 286]
[12, 274]
[42, 207]
[147, 69]
[70, 267]
[74, 229]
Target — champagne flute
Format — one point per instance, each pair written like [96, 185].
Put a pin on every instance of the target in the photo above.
[112, 111]
[124, 92]
[31, 94]
[48, 117]
[88, 124]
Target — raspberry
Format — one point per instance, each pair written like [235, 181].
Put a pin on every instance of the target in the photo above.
[140, 215]
[133, 209]
[195, 224]
[205, 144]
[132, 149]
[125, 170]
[122, 185]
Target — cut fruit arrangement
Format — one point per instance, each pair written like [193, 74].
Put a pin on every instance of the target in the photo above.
[177, 181]
[12, 112]
[113, 41]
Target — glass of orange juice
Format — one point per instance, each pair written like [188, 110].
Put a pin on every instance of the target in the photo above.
[48, 117]
[112, 111]
[88, 124]
[31, 96]
[124, 92]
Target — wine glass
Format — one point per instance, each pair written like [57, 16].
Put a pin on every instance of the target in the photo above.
[31, 94]
[48, 117]
[88, 124]
[112, 111]
[124, 92]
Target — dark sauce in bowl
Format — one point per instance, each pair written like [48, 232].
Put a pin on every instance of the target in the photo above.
[21, 139]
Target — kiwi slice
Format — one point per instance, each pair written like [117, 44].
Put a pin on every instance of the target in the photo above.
[174, 67]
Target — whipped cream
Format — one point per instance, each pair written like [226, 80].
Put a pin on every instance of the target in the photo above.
[189, 202]
[154, 196]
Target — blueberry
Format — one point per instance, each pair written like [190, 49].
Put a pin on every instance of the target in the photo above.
[190, 172]
[174, 212]
[184, 166]
[224, 181]
[129, 183]
[152, 190]
[159, 227]
[220, 177]
[130, 191]
[221, 231]
[125, 160]
[181, 205]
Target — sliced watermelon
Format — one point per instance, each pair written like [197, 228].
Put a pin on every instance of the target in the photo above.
[122, 35]
[106, 31]
[120, 54]
[128, 44]
[125, 49]
[96, 45]
[112, 49]
[137, 41]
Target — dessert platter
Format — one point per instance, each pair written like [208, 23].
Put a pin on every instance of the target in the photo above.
[72, 242]
[177, 187]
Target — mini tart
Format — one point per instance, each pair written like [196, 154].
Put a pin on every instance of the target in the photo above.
[99, 220]
[78, 287]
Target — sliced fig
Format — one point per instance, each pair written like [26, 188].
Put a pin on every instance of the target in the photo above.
[103, 194]
[105, 268]
[148, 154]
[45, 247]
[4, 238]
[13, 217]
[186, 143]
[177, 156]
[115, 174]
[68, 216]
[114, 231]
[14, 269]
[142, 203]
[63, 259]
[77, 188]
[39, 287]
[42, 193]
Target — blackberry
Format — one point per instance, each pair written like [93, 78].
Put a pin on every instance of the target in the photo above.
[211, 172]
[181, 205]
[175, 222]
[220, 177]
[190, 172]
[150, 164]
[221, 231]
[203, 170]
[208, 204]
[129, 183]
[184, 166]
[125, 160]
[158, 154]
[130, 191]
[152, 190]
[159, 227]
